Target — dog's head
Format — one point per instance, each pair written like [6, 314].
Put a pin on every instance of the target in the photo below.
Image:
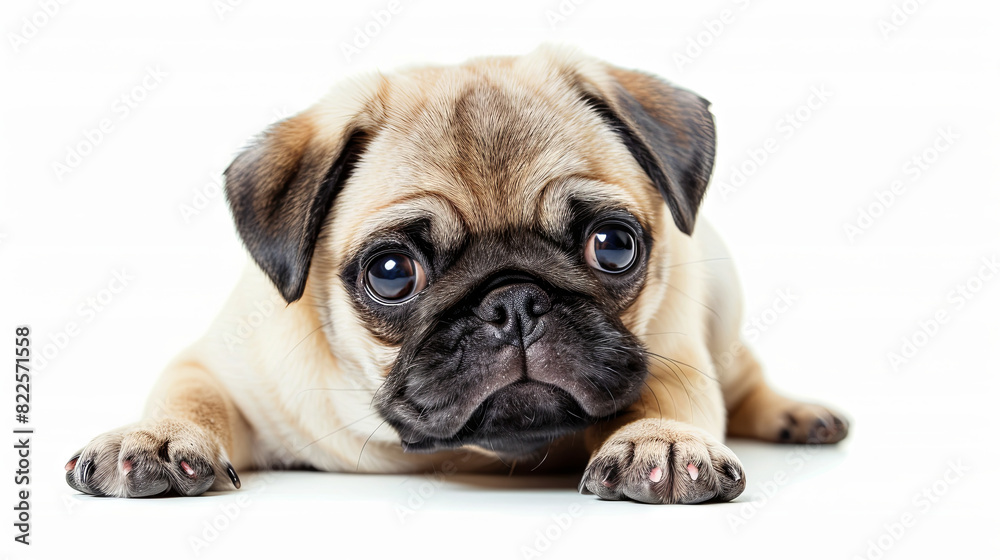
[480, 241]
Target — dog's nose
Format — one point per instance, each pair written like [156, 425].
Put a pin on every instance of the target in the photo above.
[515, 310]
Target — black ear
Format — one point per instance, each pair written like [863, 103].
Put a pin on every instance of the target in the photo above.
[280, 191]
[669, 131]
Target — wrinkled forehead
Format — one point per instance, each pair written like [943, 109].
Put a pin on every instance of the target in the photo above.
[476, 150]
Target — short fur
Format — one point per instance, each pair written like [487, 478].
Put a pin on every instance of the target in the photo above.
[493, 173]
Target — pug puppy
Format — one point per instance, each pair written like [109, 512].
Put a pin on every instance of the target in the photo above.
[492, 265]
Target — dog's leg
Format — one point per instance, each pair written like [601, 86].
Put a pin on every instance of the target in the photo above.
[757, 411]
[667, 448]
[190, 437]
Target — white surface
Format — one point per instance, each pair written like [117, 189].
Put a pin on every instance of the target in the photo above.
[228, 76]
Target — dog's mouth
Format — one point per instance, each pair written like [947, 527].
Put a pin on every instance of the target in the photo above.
[516, 421]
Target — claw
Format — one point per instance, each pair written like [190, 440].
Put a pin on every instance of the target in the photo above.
[733, 472]
[232, 475]
[86, 469]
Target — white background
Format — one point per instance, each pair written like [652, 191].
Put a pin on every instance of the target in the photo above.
[229, 72]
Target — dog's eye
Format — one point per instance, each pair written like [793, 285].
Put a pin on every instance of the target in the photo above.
[611, 248]
[394, 277]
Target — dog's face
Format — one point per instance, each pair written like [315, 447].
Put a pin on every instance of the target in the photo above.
[483, 243]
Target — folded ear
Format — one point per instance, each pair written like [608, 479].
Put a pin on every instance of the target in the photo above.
[669, 131]
[280, 191]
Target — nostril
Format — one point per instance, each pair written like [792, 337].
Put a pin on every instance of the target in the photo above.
[491, 312]
[538, 305]
[499, 315]
[515, 312]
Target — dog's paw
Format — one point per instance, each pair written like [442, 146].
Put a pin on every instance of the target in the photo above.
[663, 462]
[810, 423]
[149, 459]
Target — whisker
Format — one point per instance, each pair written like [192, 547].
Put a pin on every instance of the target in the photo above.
[659, 410]
[679, 291]
[493, 449]
[547, 448]
[375, 394]
[664, 332]
[325, 389]
[358, 466]
[680, 379]
[340, 429]
[665, 388]
[678, 362]
[700, 261]
[312, 332]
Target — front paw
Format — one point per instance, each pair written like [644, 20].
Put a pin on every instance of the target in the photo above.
[149, 459]
[663, 462]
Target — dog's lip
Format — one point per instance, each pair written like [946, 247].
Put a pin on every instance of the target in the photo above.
[533, 438]
[525, 439]
[469, 433]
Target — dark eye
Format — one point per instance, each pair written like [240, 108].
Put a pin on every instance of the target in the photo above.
[394, 277]
[611, 248]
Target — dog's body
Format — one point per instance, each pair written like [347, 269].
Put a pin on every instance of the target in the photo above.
[550, 307]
